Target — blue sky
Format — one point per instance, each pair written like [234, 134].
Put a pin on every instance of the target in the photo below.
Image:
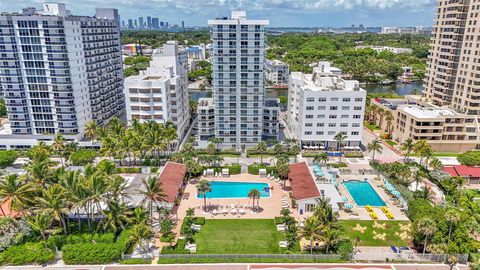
[279, 12]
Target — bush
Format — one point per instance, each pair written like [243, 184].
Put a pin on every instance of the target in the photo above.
[81, 238]
[7, 157]
[124, 241]
[89, 253]
[254, 169]
[178, 248]
[355, 154]
[29, 253]
[154, 169]
[344, 248]
[82, 157]
[136, 261]
[469, 158]
[279, 220]
[338, 165]
[199, 220]
[13, 232]
[128, 170]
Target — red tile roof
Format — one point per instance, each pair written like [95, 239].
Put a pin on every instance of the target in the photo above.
[302, 182]
[171, 179]
[462, 170]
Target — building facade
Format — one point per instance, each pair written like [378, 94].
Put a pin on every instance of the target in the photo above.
[238, 79]
[321, 105]
[206, 119]
[271, 117]
[58, 72]
[160, 93]
[277, 72]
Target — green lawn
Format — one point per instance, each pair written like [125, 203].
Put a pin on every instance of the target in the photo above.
[371, 126]
[391, 143]
[238, 236]
[366, 239]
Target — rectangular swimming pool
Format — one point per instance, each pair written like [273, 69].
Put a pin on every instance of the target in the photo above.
[363, 193]
[222, 189]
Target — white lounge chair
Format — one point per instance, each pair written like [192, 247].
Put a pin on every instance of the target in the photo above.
[283, 244]
[234, 211]
[224, 211]
[242, 211]
[196, 227]
[281, 227]
[214, 212]
[191, 247]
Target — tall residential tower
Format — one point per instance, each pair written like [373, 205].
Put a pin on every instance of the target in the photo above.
[238, 79]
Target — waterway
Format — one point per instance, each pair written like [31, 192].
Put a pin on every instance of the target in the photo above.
[399, 88]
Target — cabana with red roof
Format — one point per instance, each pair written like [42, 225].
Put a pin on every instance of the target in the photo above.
[303, 186]
[171, 181]
[471, 174]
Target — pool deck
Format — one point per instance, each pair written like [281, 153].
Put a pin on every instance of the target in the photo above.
[360, 212]
[269, 207]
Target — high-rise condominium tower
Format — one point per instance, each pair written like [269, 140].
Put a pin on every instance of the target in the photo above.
[59, 71]
[238, 79]
[454, 63]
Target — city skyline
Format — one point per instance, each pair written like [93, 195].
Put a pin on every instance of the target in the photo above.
[333, 13]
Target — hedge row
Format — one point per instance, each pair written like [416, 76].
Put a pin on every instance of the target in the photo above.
[82, 157]
[59, 241]
[90, 253]
[28, 253]
[128, 170]
[233, 169]
[220, 152]
[178, 248]
[254, 169]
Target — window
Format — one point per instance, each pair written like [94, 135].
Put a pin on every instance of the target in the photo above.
[333, 116]
[320, 124]
[333, 108]
[309, 116]
[319, 132]
[332, 124]
[310, 99]
[321, 116]
[358, 99]
[334, 99]
[308, 133]
[357, 116]
[322, 99]
[354, 133]
[356, 125]
[344, 116]
[346, 99]
[321, 108]
[343, 125]
[308, 124]
[357, 108]
[309, 108]
[345, 108]
[331, 133]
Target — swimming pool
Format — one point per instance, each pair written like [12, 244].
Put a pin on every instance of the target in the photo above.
[363, 193]
[222, 189]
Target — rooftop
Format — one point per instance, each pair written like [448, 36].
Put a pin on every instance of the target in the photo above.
[462, 170]
[171, 179]
[272, 102]
[302, 182]
[205, 102]
[431, 112]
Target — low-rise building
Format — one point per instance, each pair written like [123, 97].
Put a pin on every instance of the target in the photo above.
[271, 114]
[277, 73]
[206, 119]
[444, 129]
[322, 104]
[470, 174]
[385, 48]
[160, 93]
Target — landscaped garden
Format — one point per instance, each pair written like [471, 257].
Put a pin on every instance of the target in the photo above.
[238, 236]
[364, 230]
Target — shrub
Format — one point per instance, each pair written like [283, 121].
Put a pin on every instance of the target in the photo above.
[355, 154]
[82, 157]
[89, 253]
[338, 165]
[154, 169]
[13, 232]
[470, 158]
[254, 169]
[124, 241]
[344, 248]
[178, 248]
[7, 157]
[129, 170]
[279, 220]
[199, 220]
[136, 261]
[29, 253]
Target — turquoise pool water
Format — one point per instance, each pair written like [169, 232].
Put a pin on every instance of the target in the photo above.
[236, 189]
[363, 193]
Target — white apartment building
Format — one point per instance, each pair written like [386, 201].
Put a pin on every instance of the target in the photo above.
[206, 119]
[277, 72]
[271, 117]
[58, 72]
[160, 93]
[238, 55]
[385, 48]
[321, 105]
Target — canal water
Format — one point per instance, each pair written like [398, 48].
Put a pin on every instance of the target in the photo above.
[399, 88]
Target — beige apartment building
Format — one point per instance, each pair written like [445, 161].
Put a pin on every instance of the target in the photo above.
[444, 129]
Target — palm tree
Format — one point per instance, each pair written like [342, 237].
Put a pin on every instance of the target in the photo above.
[15, 192]
[90, 131]
[116, 217]
[53, 203]
[408, 146]
[211, 149]
[426, 227]
[375, 146]
[389, 118]
[452, 215]
[321, 158]
[253, 194]
[262, 149]
[152, 192]
[139, 216]
[330, 237]
[283, 169]
[311, 230]
[419, 149]
[41, 223]
[203, 187]
[436, 164]
[215, 141]
[140, 235]
[58, 146]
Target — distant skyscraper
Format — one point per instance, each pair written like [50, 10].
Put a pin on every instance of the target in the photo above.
[238, 47]
[130, 23]
[149, 22]
[166, 24]
[136, 24]
[162, 24]
[123, 24]
[140, 22]
[183, 24]
[76, 75]
[155, 23]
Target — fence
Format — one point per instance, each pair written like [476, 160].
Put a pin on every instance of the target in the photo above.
[363, 257]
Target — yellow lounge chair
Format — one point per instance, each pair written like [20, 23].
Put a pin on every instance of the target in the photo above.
[384, 209]
[369, 208]
[390, 216]
[373, 216]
